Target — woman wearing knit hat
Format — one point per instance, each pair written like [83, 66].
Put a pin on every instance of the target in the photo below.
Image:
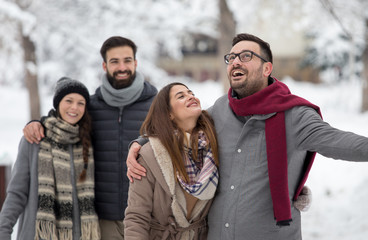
[51, 190]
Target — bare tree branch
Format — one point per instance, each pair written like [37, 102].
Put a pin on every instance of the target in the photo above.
[329, 7]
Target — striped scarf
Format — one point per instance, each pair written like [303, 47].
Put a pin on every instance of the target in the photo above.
[203, 174]
[55, 202]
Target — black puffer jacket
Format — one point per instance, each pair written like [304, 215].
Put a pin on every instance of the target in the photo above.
[112, 131]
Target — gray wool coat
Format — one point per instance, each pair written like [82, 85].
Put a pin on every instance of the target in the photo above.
[242, 208]
[156, 203]
[21, 202]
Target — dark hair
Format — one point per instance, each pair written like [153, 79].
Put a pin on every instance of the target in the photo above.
[117, 41]
[158, 124]
[85, 136]
[265, 47]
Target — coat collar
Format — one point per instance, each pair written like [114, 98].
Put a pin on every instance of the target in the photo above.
[164, 163]
[163, 170]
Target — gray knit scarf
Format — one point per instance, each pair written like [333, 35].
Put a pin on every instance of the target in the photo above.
[122, 97]
[55, 206]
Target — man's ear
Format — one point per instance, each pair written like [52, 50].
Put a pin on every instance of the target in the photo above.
[267, 69]
[104, 66]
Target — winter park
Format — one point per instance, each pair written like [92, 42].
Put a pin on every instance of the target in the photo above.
[320, 51]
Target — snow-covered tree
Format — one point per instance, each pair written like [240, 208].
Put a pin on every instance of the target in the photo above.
[71, 32]
[20, 25]
[334, 53]
[337, 38]
[68, 34]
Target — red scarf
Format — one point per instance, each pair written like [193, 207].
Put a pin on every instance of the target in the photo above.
[276, 98]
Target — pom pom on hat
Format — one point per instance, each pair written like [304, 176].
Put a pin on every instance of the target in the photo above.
[65, 86]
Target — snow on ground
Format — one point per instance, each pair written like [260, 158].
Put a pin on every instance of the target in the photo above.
[339, 189]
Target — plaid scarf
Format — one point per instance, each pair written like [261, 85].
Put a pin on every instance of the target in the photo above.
[203, 174]
[55, 202]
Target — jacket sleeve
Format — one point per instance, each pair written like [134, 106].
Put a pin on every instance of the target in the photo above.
[17, 191]
[315, 135]
[140, 203]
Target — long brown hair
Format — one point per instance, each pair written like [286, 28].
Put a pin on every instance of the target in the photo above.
[158, 124]
[85, 136]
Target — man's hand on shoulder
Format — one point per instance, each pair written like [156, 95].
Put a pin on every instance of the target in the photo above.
[135, 170]
[33, 132]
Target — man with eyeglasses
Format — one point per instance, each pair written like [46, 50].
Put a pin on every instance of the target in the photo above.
[267, 142]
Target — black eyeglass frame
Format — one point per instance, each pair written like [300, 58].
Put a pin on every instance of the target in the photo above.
[238, 55]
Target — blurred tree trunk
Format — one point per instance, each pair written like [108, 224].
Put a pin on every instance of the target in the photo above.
[30, 64]
[227, 27]
[365, 71]
[31, 76]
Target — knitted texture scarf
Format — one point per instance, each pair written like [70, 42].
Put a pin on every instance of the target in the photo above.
[276, 98]
[125, 96]
[55, 206]
[203, 174]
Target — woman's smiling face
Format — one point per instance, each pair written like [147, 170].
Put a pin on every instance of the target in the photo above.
[72, 108]
[185, 107]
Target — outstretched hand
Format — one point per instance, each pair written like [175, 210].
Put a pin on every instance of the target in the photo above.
[135, 170]
[33, 132]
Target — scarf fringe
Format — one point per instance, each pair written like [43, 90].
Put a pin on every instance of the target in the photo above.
[45, 230]
[65, 234]
[58, 179]
[90, 230]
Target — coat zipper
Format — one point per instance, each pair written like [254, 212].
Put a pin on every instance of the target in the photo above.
[120, 113]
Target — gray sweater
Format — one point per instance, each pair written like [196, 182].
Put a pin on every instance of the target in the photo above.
[22, 196]
[242, 208]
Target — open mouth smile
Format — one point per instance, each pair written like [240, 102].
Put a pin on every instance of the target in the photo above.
[72, 114]
[237, 73]
[122, 74]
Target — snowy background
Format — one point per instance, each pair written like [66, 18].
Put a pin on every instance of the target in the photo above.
[339, 209]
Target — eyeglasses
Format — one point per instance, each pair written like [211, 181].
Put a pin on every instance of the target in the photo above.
[244, 56]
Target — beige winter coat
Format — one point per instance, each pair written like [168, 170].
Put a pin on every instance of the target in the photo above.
[158, 208]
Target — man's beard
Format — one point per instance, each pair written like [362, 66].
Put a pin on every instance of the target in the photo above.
[250, 85]
[119, 84]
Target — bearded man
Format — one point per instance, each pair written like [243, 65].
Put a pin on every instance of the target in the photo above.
[118, 108]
